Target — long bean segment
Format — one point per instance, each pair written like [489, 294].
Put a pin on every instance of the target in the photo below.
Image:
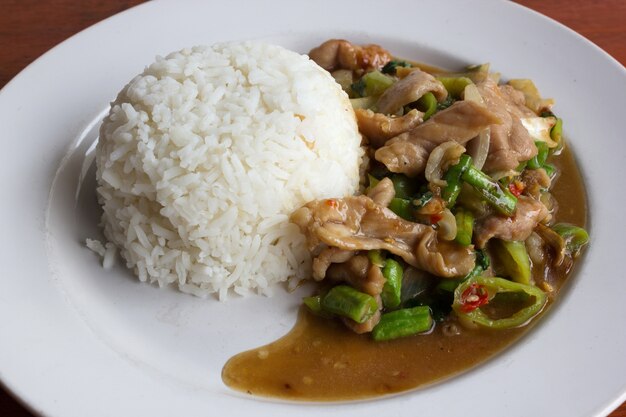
[402, 323]
[478, 291]
[392, 271]
[501, 199]
[464, 226]
[345, 301]
[453, 180]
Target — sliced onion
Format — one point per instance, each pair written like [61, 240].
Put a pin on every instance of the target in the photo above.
[471, 93]
[442, 157]
[447, 225]
[478, 148]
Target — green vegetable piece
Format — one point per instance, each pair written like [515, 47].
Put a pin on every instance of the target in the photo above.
[403, 186]
[345, 301]
[453, 180]
[392, 271]
[372, 84]
[464, 226]
[402, 323]
[428, 104]
[376, 258]
[514, 259]
[539, 160]
[390, 67]
[550, 170]
[423, 199]
[363, 103]
[494, 286]
[455, 85]
[442, 105]
[556, 133]
[314, 304]
[575, 237]
[501, 199]
[402, 208]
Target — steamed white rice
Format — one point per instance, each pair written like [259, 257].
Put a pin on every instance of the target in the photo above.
[205, 154]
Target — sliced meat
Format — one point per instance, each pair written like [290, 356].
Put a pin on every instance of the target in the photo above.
[340, 54]
[383, 192]
[369, 324]
[528, 213]
[326, 257]
[410, 89]
[359, 273]
[378, 128]
[510, 142]
[408, 152]
[357, 223]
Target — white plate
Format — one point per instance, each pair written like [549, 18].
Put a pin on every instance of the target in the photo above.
[76, 340]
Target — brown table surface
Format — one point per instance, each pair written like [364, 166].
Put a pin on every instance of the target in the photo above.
[28, 28]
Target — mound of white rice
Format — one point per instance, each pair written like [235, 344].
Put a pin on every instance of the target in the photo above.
[205, 154]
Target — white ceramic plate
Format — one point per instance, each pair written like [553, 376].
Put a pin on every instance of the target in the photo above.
[76, 340]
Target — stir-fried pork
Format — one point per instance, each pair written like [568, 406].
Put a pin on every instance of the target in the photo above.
[340, 54]
[383, 192]
[408, 90]
[357, 223]
[378, 128]
[528, 213]
[408, 152]
[360, 273]
[510, 142]
[535, 180]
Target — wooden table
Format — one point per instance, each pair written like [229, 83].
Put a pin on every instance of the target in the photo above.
[28, 28]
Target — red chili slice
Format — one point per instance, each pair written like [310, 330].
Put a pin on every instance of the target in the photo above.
[473, 297]
[516, 188]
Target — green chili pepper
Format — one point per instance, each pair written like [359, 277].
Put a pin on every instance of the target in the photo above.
[402, 323]
[514, 259]
[345, 301]
[403, 186]
[392, 271]
[539, 160]
[575, 237]
[477, 291]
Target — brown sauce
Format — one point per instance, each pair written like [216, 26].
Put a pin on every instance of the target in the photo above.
[321, 360]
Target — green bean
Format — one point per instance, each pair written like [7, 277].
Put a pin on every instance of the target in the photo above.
[464, 226]
[345, 301]
[501, 199]
[514, 259]
[392, 271]
[556, 133]
[314, 304]
[428, 104]
[402, 323]
[453, 180]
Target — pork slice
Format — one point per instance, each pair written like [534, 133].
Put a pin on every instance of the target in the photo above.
[340, 54]
[378, 128]
[510, 141]
[410, 89]
[383, 192]
[528, 213]
[359, 273]
[358, 223]
[408, 152]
